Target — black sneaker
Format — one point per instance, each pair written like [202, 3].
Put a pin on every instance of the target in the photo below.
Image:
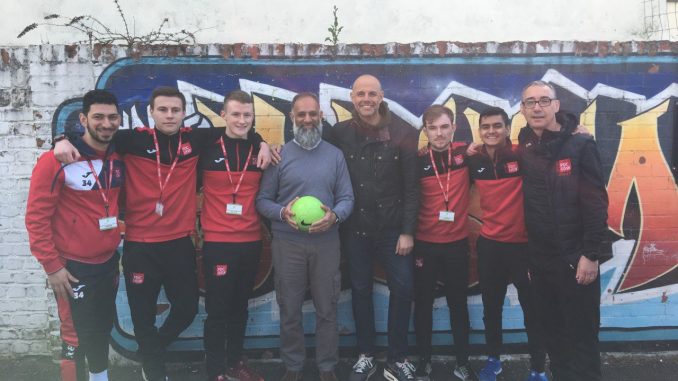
[465, 373]
[424, 370]
[399, 371]
[363, 369]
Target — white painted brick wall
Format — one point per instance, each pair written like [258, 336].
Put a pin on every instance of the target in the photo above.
[37, 79]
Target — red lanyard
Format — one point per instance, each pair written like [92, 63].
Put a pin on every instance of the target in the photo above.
[445, 190]
[104, 195]
[228, 167]
[157, 160]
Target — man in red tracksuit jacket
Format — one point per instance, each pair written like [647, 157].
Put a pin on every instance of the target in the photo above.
[232, 246]
[160, 215]
[71, 218]
[502, 244]
[441, 239]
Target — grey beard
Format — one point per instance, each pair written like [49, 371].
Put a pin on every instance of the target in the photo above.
[307, 138]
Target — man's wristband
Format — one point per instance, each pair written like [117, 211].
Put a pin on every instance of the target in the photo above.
[59, 138]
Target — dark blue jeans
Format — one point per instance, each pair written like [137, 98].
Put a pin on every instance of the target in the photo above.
[361, 252]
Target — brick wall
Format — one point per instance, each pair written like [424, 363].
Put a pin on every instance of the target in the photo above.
[37, 81]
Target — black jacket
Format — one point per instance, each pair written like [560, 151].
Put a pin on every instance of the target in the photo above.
[382, 163]
[565, 196]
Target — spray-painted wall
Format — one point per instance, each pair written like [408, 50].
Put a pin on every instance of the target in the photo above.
[625, 95]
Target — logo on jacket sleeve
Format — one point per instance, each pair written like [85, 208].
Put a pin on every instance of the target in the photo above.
[511, 167]
[253, 160]
[458, 159]
[220, 270]
[137, 278]
[186, 149]
[564, 167]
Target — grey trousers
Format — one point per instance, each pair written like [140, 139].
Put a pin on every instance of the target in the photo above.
[298, 266]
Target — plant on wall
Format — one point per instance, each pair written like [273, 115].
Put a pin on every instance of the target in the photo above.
[334, 30]
[98, 32]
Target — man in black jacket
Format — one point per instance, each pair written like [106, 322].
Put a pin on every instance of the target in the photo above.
[381, 154]
[566, 217]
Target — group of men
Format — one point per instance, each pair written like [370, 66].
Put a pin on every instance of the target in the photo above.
[382, 199]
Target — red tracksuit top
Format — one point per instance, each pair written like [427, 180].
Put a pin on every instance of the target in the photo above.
[218, 190]
[65, 204]
[500, 185]
[142, 189]
[429, 227]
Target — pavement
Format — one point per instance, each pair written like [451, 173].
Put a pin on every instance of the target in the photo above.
[645, 366]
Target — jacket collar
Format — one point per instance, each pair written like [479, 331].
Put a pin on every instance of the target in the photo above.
[381, 128]
[553, 140]
[87, 151]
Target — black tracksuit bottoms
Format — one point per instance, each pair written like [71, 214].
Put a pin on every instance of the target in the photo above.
[569, 314]
[500, 264]
[230, 270]
[148, 267]
[87, 318]
[451, 260]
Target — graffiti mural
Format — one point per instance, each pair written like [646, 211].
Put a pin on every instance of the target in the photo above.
[628, 103]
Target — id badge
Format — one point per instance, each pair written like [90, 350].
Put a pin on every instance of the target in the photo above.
[234, 209]
[159, 208]
[108, 223]
[446, 215]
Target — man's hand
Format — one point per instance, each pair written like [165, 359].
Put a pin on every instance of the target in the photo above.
[288, 215]
[473, 149]
[581, 130]
[324, 223]
[264, 157]
[65, 152]
[275, 153]
[405, 244]
[587, 271]
[60, 282]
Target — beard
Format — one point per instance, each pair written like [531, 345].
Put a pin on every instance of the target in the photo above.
[96, 136]
[307, 138]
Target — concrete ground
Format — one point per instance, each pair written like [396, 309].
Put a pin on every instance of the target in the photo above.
[659, 366]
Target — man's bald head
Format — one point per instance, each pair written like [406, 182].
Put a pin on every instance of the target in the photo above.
[366, 79]
[367, 96]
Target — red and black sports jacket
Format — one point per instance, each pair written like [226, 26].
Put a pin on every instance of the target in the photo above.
[429, 227]
[218, 190]
[499, 183]
[65, 205]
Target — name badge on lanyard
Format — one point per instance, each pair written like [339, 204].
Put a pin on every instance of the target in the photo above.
[234, 209]
[108, 223]
[159, 207]
[446, 215]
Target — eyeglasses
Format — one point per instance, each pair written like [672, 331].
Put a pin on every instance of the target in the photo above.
[543, 102]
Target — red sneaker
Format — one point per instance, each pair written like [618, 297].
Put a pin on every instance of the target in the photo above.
[241, 372]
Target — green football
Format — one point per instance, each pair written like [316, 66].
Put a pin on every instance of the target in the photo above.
[307, 211]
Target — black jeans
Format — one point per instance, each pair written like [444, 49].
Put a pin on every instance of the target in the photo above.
[147, 267]
[499, 264]
[361, 253]
[87, 318]
[451, 260]
[570, 316]
[230, 270]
